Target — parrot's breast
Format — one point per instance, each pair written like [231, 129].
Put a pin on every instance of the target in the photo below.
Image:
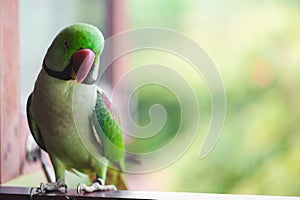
[63, 110]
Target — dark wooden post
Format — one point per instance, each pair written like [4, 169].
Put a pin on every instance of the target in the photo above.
[118, 22]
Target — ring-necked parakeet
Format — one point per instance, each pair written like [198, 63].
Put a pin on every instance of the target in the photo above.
[70, 117]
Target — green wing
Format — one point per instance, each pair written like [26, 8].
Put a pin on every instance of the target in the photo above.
[108, 129]
[34, 128]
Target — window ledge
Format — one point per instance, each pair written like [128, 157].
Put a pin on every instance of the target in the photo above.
[19, 193]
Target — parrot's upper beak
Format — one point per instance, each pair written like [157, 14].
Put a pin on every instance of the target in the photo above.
[82, 62]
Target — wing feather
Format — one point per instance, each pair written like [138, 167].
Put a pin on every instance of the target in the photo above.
[108, 129]
[34, 128]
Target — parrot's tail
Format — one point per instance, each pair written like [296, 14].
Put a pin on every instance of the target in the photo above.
[115, 177]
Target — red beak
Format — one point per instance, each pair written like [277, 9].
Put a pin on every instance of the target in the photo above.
[82, 61]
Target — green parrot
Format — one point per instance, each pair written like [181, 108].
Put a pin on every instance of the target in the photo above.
[71, 118]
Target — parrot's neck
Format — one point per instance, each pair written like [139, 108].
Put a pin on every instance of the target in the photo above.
[64, 75]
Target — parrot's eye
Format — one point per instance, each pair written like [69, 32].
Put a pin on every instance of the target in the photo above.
[65, 43]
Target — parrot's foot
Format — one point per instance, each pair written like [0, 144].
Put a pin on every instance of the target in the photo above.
[97, 185]
[51, 187]
[47, 187]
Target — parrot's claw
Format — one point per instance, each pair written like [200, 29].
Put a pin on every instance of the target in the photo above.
[47, 187]
[96, 186]
[51, 187]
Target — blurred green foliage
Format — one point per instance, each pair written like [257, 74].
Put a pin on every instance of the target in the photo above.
[255, 46]
[148, 96]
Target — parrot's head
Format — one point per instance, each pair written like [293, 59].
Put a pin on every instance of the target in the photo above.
[74, 54]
